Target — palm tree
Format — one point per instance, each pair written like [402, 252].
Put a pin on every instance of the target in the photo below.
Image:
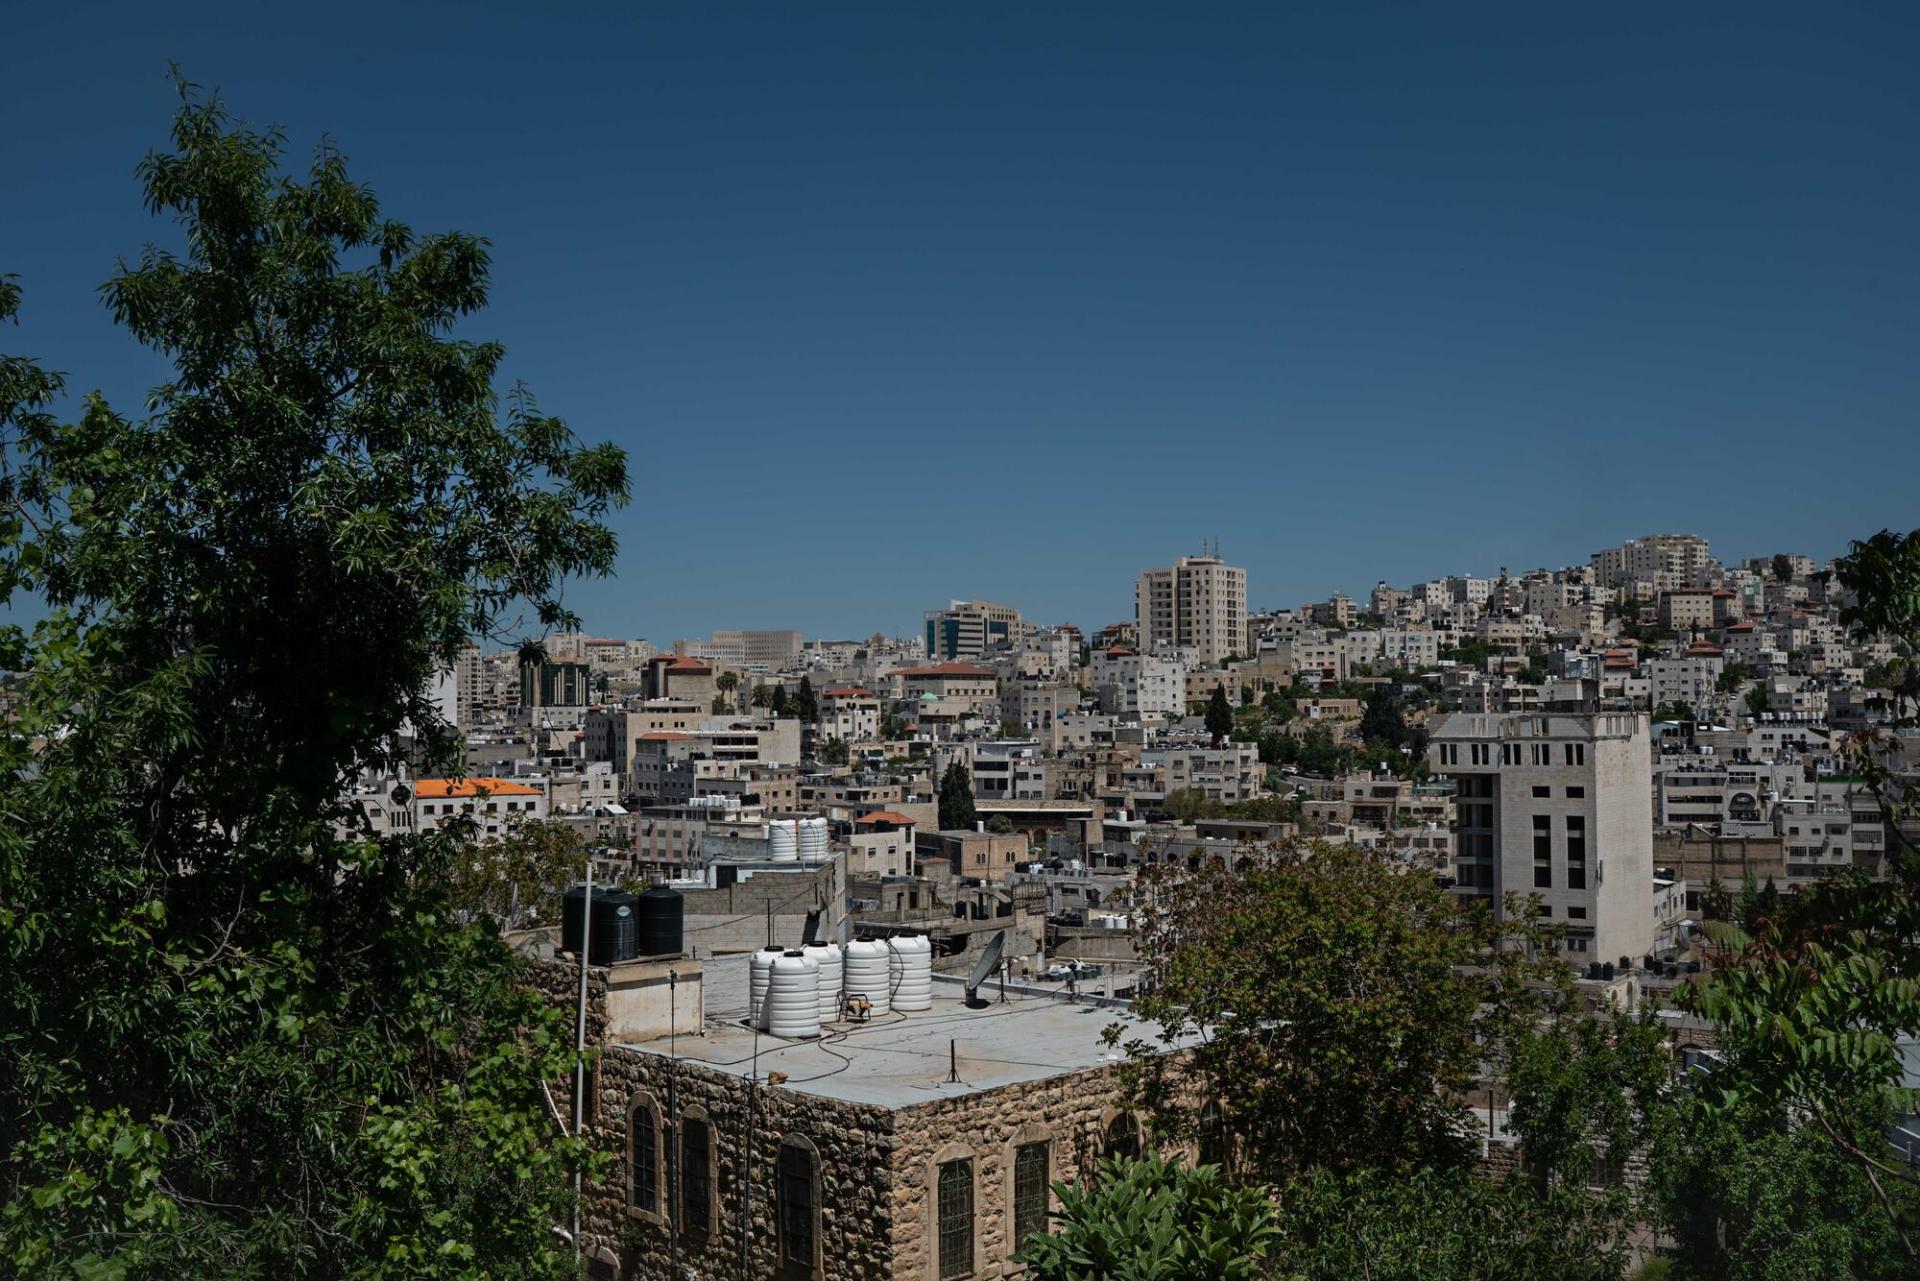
[727, 683]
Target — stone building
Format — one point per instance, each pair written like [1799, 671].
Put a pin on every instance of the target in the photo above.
[914, 1145]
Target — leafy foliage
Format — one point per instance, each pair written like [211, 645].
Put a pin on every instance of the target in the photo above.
[1746, 1194]
[240, 1040]
[1342, 1005]
[515, 880]
[1432, 1225]
[1155, 1220]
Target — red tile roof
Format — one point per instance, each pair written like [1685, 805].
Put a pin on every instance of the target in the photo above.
[847, 691]
[945, 669]
[883, 816]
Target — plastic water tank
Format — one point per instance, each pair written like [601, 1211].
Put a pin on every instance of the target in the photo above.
[783, 840]
[867, 965]
[793, 997]
[911, 972]
[759, 975]
[829, 958]
[616, 927]
[662, 914]
[813, 838]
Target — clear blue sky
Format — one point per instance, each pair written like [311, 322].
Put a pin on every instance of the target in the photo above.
[929, 301]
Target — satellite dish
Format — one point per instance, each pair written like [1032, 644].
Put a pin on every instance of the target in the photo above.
[989, 962]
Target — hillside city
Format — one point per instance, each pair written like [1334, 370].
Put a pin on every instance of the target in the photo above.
[1622, 740]
[1004, 887]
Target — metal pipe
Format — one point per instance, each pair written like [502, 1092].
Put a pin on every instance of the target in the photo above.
[673, 1122]
[580, 1048]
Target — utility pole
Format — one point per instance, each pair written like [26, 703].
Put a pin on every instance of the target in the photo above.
[580, 1047]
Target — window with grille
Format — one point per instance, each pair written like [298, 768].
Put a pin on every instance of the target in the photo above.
[643, 1192]
[1213, 1135]
[696, 1177]
[796, 1206]
[1123, 1136]
[956, 1218]
[1030, 1198]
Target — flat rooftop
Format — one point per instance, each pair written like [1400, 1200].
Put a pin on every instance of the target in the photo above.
[899, 1060]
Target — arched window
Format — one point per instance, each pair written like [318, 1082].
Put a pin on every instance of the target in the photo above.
[1123, 1136]
[799, 1210]
[955, 1192]
[643, 1154]
[696, 1174]
[1213, 1134]
[1032, 1175]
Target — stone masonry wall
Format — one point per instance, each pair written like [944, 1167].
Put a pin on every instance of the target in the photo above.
[1069, 1112]
[853, 1146]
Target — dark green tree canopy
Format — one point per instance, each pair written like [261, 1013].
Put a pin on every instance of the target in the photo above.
[1219, 716]
[956, 799]
[241, 1039]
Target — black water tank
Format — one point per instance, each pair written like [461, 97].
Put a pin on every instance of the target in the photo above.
[616, 927]
[662, 912]
[1606, 971]
[573, 911]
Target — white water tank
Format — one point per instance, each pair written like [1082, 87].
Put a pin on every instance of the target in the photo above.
[813, 839]
[828, 956]
[868, 964]
[782, 840]
[793, 997]
[911, 972]
[759, 975]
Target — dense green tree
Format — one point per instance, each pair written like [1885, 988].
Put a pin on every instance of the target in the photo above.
[728, 683]
[1757, 701]
[1219, 716]
[1435, 1225]
[1535, 672]
[1346, 1005]
[833, 752]
[1000, 825]
[1279, 705]
[1155, 1220]
[241, 1037]
[805, 705]
[1748, 1193]
[956, 800]
[1383, 719]
[1783, 567]
[1184, 804]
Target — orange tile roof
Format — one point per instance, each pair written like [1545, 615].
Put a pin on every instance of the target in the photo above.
[663, 736]
[440, 789]
[848, 691]
[883, 816]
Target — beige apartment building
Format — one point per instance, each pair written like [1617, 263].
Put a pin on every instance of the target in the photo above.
[1198, 603]
[1559, 806]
